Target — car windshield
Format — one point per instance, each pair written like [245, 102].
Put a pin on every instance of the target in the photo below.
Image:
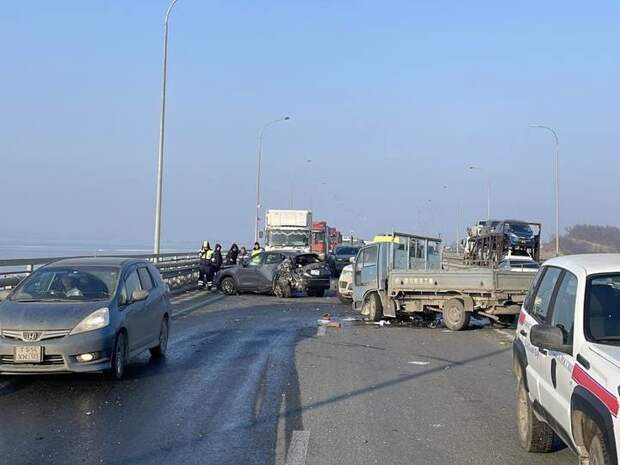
[286, 238]
[307, 259]
[68, 283]
[346, 250]
[602, 315]
[520, 229]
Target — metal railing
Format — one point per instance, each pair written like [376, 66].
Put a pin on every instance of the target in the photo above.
[179, 270]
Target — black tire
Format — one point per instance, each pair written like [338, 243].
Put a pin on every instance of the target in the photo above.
[228, 286]
[534, 435]
[316, 292]
[282, 289]
[375, 307]
[598, 450]
[454, 315]
[164, 332]
[119, 358]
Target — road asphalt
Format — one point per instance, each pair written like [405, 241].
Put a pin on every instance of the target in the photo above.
[256, 380]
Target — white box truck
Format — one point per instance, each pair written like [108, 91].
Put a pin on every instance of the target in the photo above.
[288, 230]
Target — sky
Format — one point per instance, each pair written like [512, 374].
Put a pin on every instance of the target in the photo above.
[389, 102]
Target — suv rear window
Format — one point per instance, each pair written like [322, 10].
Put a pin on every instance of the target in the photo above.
[602, 309]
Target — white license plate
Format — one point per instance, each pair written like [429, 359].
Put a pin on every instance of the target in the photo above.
[315, 272]
[28, 354]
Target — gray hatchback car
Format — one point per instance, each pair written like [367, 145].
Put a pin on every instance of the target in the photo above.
[84, 315]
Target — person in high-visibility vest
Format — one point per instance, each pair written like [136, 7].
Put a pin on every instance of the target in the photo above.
[256, 249]
[205, 254]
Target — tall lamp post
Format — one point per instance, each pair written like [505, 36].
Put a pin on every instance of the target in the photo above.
[160, 161]
[260, 156]
[488, 188]
[557, 184]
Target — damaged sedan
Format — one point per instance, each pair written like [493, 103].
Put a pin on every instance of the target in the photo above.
[282, 273]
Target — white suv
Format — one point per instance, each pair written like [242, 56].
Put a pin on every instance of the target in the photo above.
[567, 358]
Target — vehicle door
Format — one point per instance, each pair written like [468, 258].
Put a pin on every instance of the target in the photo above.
[154, 304]
[537, 311]
[133, 312]
[268, 269]
[556, 368]
[249, 277]
[365, 276]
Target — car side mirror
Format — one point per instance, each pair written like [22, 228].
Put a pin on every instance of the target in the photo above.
[138, 296]
[549, 338]
[4, 294]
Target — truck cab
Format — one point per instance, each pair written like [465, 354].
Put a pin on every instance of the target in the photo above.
[388, 252]
[288, 230]
[566, 358]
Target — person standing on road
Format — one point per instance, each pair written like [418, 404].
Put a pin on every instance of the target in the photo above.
[205, 255]
[233, 253]
[243, 255]
[256, 250]
[214, 265]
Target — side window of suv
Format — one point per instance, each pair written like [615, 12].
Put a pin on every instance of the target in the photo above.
[528, 304]
[273, 258]
[542, 298]
[563, 313]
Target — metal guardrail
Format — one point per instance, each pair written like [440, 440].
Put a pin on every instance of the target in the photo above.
[179, 270]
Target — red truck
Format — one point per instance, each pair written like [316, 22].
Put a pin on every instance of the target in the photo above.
[319, 228]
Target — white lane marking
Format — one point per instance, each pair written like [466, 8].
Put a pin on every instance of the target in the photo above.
[418, 363]
[298, 449]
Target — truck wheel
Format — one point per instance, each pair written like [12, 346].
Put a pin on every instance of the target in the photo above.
[375, 307]
[534, 435]
[282, 289]
[598, 450]
[228, 286]
[454, 315]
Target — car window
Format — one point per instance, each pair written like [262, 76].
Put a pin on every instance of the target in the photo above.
[544, 293]
[563, 313]
[366, 266]
[255, 260]
[528, 303]
[602, 315]
[132, 283]
[145, 279]
[273, 258]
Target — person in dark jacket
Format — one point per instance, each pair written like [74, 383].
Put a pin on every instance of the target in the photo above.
[233, 253]
[214, 265]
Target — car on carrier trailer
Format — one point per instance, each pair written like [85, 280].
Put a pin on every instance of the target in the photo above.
[402, 275]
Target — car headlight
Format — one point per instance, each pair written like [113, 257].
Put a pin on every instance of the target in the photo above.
[96, 320]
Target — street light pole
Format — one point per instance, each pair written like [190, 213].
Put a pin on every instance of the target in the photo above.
[557, 185]
[160, 161]
[258, 172]
[488, 188]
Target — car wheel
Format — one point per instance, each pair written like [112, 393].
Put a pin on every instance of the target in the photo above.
[598, 450]
[228, 286]
[117, 370]
[375, 307]
[164, 331]
[534, 435]
[454, 315]
[282, 289]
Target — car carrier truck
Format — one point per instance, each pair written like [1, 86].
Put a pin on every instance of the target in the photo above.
[403, 274]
